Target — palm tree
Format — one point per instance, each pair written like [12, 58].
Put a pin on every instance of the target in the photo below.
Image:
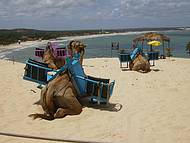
[188, 48]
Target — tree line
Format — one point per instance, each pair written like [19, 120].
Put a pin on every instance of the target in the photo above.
[12, 36]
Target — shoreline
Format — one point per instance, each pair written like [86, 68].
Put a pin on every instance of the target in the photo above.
[68, 38]
[8, 49]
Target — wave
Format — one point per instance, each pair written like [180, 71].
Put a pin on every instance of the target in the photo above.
[100, 35]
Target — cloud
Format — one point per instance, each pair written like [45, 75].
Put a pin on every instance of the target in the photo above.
[97, 13]
[41, 8]
[152, 8]
[91, 8]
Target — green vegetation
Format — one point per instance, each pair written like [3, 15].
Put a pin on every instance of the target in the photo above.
[12, 36]
[8, 36]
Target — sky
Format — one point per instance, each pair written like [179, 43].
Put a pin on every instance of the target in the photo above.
[93, 14]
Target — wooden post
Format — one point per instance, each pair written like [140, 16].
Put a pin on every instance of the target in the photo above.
[150, 48]
[108, 94]
[13, 59]
[111, 52]
[99, 92]
[163, 50]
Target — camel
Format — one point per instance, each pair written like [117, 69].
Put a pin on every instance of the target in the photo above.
[58, 99]
[55, 62]
[140, 64]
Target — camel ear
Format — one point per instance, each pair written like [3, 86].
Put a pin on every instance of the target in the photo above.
[70, 44]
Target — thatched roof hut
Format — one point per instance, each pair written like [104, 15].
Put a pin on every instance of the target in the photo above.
[152, 36]
[147, 37]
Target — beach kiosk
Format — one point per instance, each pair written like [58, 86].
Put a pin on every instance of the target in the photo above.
[144, 39]
[153, 55]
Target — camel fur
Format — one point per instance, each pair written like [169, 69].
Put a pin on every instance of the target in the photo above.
[55, 62]
[52, 61]
[77, 47]
[140, 64]
[58, 99]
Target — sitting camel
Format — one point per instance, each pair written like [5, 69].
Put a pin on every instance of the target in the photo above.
[140, 64]
[56, 62]
[58, 99]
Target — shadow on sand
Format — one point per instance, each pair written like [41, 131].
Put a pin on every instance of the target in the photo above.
[125, 69]
[112, 107]
[156, 70]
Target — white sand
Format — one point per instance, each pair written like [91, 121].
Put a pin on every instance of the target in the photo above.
[156, 106]
[6, 49]
[18, 46]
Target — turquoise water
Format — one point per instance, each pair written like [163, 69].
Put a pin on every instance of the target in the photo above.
[101, 46]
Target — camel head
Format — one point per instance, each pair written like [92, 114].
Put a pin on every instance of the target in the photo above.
[48, 57]
[77, 47]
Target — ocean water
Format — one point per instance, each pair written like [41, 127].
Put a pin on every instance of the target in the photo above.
[101, 46]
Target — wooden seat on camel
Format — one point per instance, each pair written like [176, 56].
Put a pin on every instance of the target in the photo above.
[124, 58]
[152, 56]
[97, 89]
[39, 72]
[36, 71]
[128, 56]
[39, 52]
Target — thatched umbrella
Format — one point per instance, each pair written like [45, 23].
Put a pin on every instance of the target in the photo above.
[147, 37]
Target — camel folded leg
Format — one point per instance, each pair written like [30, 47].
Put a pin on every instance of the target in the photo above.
[43, 93]
[68, 104]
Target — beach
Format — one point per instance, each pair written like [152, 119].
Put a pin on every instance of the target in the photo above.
[98, 46]
[20, 46]
[155, 105]
[11, 48]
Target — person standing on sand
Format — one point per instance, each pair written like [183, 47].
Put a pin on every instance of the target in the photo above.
[19, 41]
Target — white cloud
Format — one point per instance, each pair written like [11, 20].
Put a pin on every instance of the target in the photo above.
[41, 7]
[97, 12]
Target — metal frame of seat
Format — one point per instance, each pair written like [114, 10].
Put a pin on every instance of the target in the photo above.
[80, 80]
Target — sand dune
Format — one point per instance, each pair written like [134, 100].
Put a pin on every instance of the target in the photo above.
[155, 106]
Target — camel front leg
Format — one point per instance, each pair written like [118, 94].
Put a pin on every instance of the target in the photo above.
[49, 108]
[61, 113]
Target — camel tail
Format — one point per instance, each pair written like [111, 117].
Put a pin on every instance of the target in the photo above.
[41, 116]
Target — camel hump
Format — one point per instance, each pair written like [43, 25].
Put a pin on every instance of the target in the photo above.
[140, 64]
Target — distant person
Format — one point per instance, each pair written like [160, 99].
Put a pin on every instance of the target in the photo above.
[19, 42]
